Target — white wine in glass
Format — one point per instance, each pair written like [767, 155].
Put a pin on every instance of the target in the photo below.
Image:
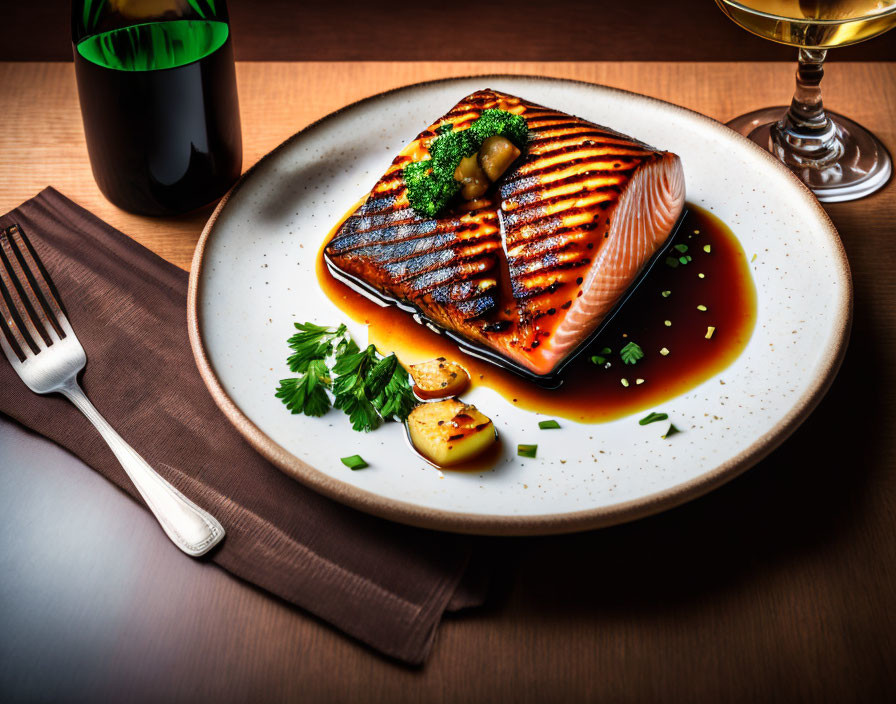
[833, 155]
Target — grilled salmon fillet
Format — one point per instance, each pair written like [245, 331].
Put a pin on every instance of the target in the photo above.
[531, 269]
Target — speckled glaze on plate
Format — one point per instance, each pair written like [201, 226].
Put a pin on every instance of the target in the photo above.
[253, 276]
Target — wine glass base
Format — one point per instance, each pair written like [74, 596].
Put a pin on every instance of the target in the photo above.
[863, 167]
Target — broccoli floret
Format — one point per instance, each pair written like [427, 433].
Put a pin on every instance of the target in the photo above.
[431, 184]
[429, 189]
[500, 122]
[417, 171]
[448, 149]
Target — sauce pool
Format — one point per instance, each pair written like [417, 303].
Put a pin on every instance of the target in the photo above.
[718, 280]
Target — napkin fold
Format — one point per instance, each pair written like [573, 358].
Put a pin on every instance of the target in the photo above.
[386, 584]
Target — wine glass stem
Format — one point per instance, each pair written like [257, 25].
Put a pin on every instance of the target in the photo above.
[805, 133]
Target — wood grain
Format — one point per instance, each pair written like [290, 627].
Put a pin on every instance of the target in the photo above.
[780, 586]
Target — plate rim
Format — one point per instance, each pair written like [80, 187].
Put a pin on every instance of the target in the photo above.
[542, 524]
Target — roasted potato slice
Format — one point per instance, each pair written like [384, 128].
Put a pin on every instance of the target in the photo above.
[470, 174]
[439, 378]
[495, 155]
[450, 432]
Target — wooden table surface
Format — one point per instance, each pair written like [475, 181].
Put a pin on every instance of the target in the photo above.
[779, 586]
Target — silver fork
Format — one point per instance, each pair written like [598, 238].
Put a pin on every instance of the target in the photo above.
[42, 347]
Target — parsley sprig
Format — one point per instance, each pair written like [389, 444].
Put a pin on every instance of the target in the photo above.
[368, 388]
[314, 343]
[307, 393]
[631, 353]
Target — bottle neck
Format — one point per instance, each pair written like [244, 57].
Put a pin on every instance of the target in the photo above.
[93, 17]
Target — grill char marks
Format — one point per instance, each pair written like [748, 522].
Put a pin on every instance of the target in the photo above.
[510, 273]
[556, 206]
[446, 266]
[559, 207]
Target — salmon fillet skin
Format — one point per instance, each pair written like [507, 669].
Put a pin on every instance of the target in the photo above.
[528, 272]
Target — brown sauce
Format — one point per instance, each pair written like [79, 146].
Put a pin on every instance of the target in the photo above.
[592, 393]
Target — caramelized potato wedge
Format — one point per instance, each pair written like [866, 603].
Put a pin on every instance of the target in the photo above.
[470, 174]
[439, 378]
[495, 156]
[450, 432]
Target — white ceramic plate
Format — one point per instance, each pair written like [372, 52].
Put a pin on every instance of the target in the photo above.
[253, 276]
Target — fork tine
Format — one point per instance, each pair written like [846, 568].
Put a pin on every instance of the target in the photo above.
[11, 329]
[25, 275]
[41, 284]
[11, 355]
[19, 315]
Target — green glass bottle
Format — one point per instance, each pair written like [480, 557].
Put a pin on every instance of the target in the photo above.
[158, 96]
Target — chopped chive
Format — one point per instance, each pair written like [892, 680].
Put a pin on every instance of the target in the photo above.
[666, 294]
[597, 359]
[624, 382]
[667, 323]
[639, 381]
[707, 248]
[684, 260]
[606, 350]
[681, 248]
[354, 462]
[689, 257]
[671, 261]
[526, 450]
[671, 431]
[701, 307]
[709, 331]
[548, 425]
[664, 351]
[653, 418]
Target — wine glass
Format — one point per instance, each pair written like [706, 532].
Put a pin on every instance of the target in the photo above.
[834, 156]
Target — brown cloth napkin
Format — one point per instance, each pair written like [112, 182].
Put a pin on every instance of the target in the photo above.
[383, 583]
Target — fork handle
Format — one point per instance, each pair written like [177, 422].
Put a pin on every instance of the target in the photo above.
[192, 529]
